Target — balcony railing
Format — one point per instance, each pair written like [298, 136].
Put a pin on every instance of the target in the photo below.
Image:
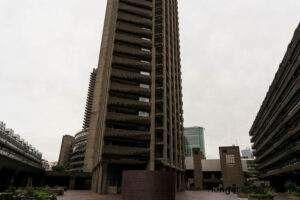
[7, 153]
[7, 141]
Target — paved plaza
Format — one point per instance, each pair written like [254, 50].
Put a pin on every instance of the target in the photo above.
[189, 195]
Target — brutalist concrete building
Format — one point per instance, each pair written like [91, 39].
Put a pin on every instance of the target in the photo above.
[228, 171]
[275, 131]
[135, 116]
[19, 161]
[73, 148]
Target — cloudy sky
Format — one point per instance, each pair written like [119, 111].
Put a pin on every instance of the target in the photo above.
[230, 52]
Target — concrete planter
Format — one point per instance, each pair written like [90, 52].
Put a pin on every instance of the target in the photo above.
[261, 198]
[242, 195]
[57, 192]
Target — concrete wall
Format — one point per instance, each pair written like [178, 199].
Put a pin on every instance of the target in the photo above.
[231, 165]
[65, 148]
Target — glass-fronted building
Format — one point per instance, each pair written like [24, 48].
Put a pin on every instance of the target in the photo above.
[247, 153]
[193, 138]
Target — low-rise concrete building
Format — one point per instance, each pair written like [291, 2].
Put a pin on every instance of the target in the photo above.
[228, 171]
[19, 161]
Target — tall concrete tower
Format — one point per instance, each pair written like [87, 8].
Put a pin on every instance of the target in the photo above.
[136, 117]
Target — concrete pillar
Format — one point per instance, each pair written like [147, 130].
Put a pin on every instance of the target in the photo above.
[100, 176]
[178, 181]
[183, 182]
[95, 180]
[198, 174]
[104, 178]
[72, 183]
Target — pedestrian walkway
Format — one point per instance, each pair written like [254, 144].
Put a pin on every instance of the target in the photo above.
[189, 195]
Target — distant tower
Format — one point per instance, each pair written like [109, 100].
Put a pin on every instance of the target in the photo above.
[194, 138]
[72, 152]
[136, 117]
[89, 101]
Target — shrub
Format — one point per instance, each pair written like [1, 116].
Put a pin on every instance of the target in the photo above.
[261, 195]
[290, 186]
[28, 192]
[261, 191]
[244, 190]
[42, 195]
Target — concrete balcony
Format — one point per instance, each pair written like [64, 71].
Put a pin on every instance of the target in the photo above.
[282, 169]
[278, 143]
[72, 164]
[135, 10]
[134, 19]
[127, 134]
[133, 63]
[141, 3]
[77, 156]
[131, 76]
[136, 40]
[128, 103]
[120, 117]
[14, 146]
[275, 113]
[131, 51]
[16, 157]
[291, 116]
[130, 89]
[80, 150]
[131, 28]
[280, 155]
[126, 151]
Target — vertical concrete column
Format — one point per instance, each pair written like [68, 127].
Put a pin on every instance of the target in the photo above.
[198, 174]
[72, 183]
[182, 182]
[178, 181]
[100, 176]
[104, 179]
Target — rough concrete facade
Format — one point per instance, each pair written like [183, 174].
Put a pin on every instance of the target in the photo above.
[89, 100]
[198, 173]
[65, 149]
[77, 152]
[136, 119]
[276, 129]
[231, 166]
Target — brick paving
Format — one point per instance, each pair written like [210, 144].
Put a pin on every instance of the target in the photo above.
[189, 195]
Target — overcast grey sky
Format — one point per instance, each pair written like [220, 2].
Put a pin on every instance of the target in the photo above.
[230, 52]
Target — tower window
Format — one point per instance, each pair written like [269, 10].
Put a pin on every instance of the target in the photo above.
[144, 114]
[144, 99]
[144, 86]
[145, 73]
